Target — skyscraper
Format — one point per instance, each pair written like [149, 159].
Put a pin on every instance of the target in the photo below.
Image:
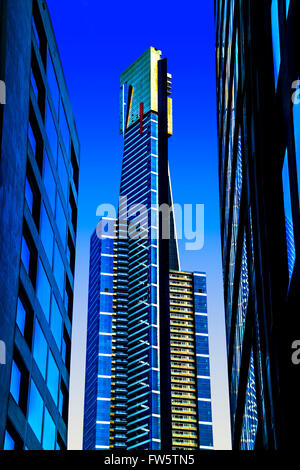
[39, 165]
[147, 368]
[258, 137]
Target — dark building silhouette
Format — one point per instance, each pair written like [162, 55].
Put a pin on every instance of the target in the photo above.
[257, 64]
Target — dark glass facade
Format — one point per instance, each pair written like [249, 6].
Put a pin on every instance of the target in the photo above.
[257, 66]
[134, 398]
[39, 164]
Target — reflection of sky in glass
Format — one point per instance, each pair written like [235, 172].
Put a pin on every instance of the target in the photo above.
[288, 216]
[276, 40]
[287, 2]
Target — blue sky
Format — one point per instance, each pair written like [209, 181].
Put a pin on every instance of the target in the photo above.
[97, 41]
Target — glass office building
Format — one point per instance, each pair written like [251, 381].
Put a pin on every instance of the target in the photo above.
[257, 69]
[131, 343]
[39, 165]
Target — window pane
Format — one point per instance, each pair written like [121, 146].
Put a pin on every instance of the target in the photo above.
[46, 233]
[15, 382]
[59, 270]
[61, 220]
[29, 195]
[290, 239]
[64, 128]
[52, 377]
[32, 138]
[40, 348]
[52, 82]
[43, 289]
[49, 182]
[276, 39]
[9, 443]
[21, 317]
[51, 132]
[35, 411]
[49, 432]
[25, 255]
[63, 173]
[56, 323]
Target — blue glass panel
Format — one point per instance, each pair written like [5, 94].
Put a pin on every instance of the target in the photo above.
[56, 323]
[206, 435]
[21, 316]
[29, 195]
[291, 253]
[103, 433]
[49, 432]
[46, 233]
[287, 5]
[107, 264]
[64, 128]
[204, 411]
[32, 139]
[59, 270]
[15, 382]
[39, 348]
[52, 377]
[63, 174]
[201, 324]
[203, 366]
[25, 255]
[203, 388]
[155, 427]
[296, 118]
[202, 345]
[43, 289]
[106, 303]
[200, 303]
[51, 132]
[9, 443]
[105, 344]
[107, 246]
[106, 283]
[52, 82]
[35, 410]
[103, 410]
[49, 181]
[105, 324]
[34, 85]
[104, 387]
[61, 220]
[200, 284]
[104, 365]
[276, 39]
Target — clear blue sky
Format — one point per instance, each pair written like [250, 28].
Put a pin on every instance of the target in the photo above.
[97, 41]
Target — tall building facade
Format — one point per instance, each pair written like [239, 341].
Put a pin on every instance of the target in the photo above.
[39, 165]
[137, 395]
[257, 67]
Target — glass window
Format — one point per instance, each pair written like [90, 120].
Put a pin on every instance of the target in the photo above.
[276, 39]
[52, 377]
[51, 132]
[64, 128]
[49, 182]
[21, 316]
[287, 4]
[290, 239]
[52, 82]
[34, 85]
[48, 432]
[15, 382]
[9, 443]
[63, 173]
[56, 323]
[59, 270]
[35, 410]
[43, 289]
[29, 195]
[40, 348]
[46, 233]
[32, 138]
[61, 220]
[25, 254]
[296, 118]
[106, 264]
